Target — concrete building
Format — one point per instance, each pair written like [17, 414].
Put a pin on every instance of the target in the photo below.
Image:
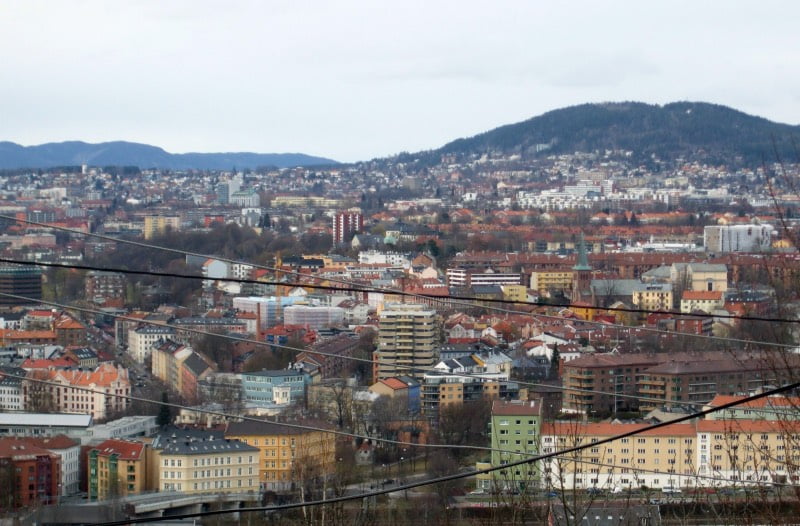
[313, 316]
[271, 388]
[549, 282]
[653, 296]
[407, 338]
[345, 224]
[721, 239]
[659, 458]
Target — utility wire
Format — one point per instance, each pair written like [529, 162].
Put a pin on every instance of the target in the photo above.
[367, 289]
[352, 358]
[380, 289]
[458, 476]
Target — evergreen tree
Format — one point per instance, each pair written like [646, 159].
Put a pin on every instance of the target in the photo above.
[164, 417]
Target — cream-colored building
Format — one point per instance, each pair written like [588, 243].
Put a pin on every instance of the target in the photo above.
[659, 458]
[203, 462]
[707, 453]
[704, 300]
[547, 281]
[707, 276]
[653, 297]
[156, 225]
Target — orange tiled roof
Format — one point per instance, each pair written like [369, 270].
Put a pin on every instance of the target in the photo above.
[701, 295]
[125, 449]
[393, 383]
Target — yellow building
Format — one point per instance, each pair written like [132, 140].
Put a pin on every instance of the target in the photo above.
[287, 455]
[653, 297]
[116, 468]
[546, 282]
[515, 293]
[707, 453]
[749, 451]
[663, 457]
[155, 225]
[201, 462]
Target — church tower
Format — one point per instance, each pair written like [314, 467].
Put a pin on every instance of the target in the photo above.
[581, 274]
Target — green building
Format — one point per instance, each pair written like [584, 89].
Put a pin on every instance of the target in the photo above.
[514, 433]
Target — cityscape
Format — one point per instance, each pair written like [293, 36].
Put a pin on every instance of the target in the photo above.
[419, 263]
[325, 332]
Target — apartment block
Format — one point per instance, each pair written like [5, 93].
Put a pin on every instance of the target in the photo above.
[116, 468]
[407, 338]
[515, 432]
[286, 455]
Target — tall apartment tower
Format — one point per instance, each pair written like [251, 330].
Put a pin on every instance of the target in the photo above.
[408, 334]
[345, 224]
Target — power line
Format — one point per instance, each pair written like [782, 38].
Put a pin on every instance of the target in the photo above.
[351, 358]
[379, 289]
[457, 476]
[363, 288]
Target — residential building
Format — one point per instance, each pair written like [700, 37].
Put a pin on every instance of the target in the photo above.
[32, 474]
[11, 393]
[407, 338]
[551, 282]
[345, 224]
[514, 434]
[69, 451]
[703, 300]
[116, 468]
[142, 338]
[166, 359]
[193, 461]
[99, 392]
[663, 457]
[775, 407]
[22, 281]
[102, 287]
[287, 455]
[158, 225]
[653, 296]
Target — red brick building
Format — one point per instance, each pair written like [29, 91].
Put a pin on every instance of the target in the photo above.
[29, 475]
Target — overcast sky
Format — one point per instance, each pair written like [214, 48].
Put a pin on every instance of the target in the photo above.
[357, 79]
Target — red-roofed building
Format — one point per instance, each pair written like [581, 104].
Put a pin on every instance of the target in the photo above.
[703, 300]
[117, 467]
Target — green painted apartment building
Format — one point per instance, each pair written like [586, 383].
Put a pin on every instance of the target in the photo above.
[514, 433]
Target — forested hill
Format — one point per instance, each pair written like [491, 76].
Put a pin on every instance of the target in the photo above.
[692, 130]
[121, 153]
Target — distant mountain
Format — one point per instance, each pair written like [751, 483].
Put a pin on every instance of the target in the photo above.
[692, 130]
[120, 153]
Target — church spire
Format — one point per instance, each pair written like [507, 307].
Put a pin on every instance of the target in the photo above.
[583, 260]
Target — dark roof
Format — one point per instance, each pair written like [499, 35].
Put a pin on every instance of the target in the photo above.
[195, 364]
